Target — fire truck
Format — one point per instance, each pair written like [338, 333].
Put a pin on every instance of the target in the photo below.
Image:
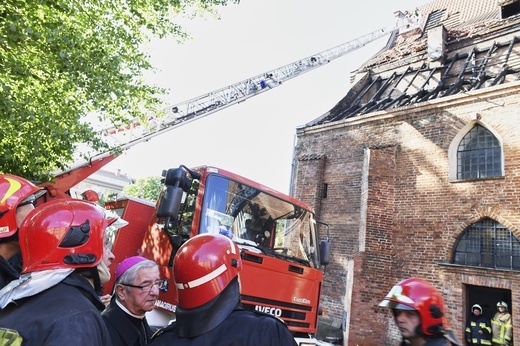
[279, 236]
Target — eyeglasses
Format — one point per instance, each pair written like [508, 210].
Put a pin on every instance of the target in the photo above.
[161, 284]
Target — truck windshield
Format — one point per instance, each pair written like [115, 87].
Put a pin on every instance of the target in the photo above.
[258, 221]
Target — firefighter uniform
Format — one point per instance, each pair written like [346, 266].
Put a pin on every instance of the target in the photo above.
[437, 341]
[65, 314]
[7, 273]
[502, 326]
[478, 328]
[239, 328]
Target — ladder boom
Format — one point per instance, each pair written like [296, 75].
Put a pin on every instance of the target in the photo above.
[201, 106]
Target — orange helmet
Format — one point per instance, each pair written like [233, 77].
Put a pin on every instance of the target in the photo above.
[203, 267]
[14, 192]
[419, 295]
[63, 233]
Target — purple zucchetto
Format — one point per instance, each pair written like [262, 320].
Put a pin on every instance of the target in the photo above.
[128, 263]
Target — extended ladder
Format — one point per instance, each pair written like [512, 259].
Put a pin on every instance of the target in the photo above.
[185, 112]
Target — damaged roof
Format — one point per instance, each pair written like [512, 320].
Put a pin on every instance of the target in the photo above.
[446, 47]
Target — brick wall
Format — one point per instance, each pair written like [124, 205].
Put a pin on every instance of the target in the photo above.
[393, 211]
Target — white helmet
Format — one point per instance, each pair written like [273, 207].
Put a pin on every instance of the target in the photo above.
[476, 306]
[504, 304]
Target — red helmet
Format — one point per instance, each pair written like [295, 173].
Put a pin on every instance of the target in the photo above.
[14, 192]
[63, 233]
[419, 295]
[203, 267]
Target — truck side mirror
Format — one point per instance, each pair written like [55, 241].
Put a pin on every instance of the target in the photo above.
[177, 177]
[324, 252]
[170, 202]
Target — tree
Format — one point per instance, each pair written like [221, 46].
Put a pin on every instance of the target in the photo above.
[147, 188]
[61, 60]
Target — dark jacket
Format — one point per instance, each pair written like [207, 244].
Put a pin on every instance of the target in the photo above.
[7, 272]
[65, 314]
[476, 324]
[440, 341]
[125, 330]
[240, 328]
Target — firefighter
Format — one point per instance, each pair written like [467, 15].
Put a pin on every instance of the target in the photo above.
[206, 270]
[502, 326]
[418, 310]
[17, 196]
[478, 328]
[137, 284]
[54, 302]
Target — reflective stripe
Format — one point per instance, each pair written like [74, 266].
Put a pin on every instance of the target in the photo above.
[9, 337]
[209, 276]
[482, 325]
[204, 279]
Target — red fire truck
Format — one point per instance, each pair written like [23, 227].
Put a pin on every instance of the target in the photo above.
[277, 234]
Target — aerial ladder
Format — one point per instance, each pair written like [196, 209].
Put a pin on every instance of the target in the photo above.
[185, 112]
[182, 113]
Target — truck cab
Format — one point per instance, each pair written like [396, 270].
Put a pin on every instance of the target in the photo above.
[277, 234]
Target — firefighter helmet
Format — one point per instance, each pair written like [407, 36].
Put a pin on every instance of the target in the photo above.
[63, 233]
[419, 295]
[203, 267]
[503, 304]
[14, 192]
[476, 306]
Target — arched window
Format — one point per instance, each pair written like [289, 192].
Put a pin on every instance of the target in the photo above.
[489, 244]
[479, 155]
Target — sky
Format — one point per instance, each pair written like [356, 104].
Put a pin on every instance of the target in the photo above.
[256, 138]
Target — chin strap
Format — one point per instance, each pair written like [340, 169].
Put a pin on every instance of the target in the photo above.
[97, 281]
[92, 275]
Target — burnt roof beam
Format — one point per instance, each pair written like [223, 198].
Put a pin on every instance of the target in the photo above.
[501, 75]
[387, 101]
[480, 78]
[441, 85]
[404, 96]
[373, 101]
[351, 111]
[420, 93]
[459, 82]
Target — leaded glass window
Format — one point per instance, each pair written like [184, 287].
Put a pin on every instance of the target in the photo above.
[489, 244]
[479, 155]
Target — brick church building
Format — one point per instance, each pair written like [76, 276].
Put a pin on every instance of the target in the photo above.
[417, 170]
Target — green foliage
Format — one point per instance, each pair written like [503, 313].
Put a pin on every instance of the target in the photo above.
[147, 188]
[61, 60]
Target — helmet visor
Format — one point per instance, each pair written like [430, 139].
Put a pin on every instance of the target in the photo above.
[395, 305]
[31, 199]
